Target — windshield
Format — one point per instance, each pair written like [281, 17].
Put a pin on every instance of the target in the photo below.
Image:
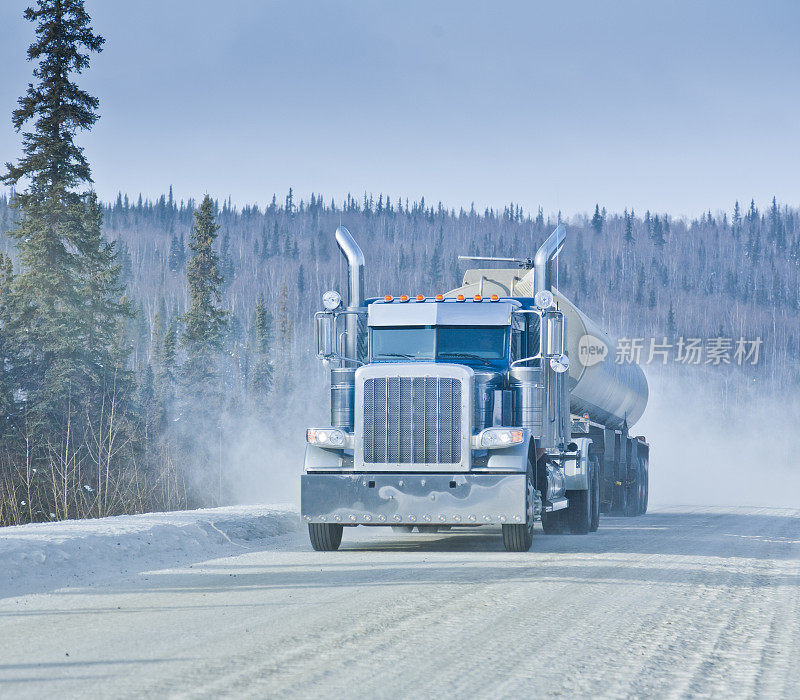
[468, 344]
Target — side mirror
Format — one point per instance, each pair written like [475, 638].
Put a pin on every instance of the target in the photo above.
[326, 344]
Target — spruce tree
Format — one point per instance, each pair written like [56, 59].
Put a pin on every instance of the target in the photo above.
[7, 383]
[176, 254]
[657, 233]
[597, 220]
[628, 237]
[261, 374]
[66, 306]
[205, 321]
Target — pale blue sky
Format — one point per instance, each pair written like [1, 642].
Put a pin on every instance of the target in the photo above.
[677, 106]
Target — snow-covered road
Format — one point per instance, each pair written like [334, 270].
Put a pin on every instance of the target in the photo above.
[681, 602]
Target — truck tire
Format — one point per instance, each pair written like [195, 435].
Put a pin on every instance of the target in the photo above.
[595, 521]
[402, 528]
[645, 485]
[633, 495]
[325, 537]
[519, 538]
[582, 504]
[555, 523]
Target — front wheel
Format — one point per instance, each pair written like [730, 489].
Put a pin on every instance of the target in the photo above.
[325, 537]
[519, 538]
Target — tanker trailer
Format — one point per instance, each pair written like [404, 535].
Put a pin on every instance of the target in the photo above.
[494, 404]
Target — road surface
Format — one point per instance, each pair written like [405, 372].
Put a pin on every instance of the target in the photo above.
[681, 602]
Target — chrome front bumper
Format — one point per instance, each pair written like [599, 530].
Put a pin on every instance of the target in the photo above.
[413, 499]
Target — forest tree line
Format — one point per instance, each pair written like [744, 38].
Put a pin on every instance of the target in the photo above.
[645, 275]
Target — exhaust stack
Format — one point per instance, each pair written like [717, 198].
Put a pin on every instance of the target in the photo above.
[543, 263]
[355, 291]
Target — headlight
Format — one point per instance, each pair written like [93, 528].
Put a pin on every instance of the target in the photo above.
[326, 437]
[500, 437]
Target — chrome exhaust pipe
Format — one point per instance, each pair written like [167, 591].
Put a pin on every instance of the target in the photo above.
[355, 291]
[543, 263]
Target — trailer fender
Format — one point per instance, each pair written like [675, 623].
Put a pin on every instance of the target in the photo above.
[576, 466]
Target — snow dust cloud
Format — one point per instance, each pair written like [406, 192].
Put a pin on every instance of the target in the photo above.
[720, 441]
[265, 463]
[713, 441]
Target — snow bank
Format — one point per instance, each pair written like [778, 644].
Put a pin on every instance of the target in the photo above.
[43, 556]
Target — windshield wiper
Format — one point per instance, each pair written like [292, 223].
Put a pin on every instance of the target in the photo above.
[466, 355]
[395, 354]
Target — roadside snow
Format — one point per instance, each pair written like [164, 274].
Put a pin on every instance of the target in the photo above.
[44, 556]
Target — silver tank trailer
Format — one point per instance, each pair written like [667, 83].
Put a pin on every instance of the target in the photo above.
[611, 394]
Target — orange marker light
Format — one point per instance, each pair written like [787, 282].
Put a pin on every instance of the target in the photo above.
[388, 297]
[460, 297]
[404, 297]
[439, 297]
[420, 297]
[477, 297]
[494, 297]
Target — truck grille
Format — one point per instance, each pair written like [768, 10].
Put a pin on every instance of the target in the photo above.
[412, 420]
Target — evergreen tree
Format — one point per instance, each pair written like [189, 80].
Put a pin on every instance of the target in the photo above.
[736, 223]
[6, 367]
[597, 220]
[65, 312]
[66, 305]
[657, 233]
[628, 237]
[176, 254]
[205, 321]
[261, 374]
[226, 266]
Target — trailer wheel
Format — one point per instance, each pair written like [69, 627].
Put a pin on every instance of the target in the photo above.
[632, 495]
[402, 528]
[595, 495]
[645, 485]
[325, 537]
[519, 538]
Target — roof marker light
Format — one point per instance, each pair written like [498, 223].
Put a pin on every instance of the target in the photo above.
[420, 297]
[388, 297]
[439, 297]
[477, 297]
[404, 297]
[460, 297]
[494, 297]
